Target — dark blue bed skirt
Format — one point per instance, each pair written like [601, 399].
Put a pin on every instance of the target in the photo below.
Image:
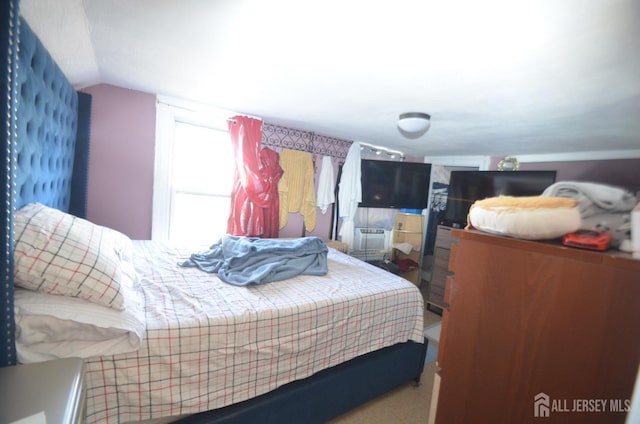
[328, 393]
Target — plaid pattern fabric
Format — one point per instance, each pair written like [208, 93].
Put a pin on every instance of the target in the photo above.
[210, 344]
[61, 254]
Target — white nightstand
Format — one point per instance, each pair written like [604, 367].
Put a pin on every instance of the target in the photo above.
[54, 387]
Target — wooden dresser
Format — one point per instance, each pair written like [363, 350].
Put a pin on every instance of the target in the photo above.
[533, 324]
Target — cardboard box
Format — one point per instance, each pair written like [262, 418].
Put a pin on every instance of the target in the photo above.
[635, 232]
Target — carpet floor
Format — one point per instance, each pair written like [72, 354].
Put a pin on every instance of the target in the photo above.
[407, 404]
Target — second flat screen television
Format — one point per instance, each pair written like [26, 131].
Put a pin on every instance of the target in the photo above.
[399, 185]
[465, 187]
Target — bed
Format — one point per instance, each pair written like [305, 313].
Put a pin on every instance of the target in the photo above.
[192, 363]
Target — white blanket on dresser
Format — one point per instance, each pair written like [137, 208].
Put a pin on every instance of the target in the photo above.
[594, 198]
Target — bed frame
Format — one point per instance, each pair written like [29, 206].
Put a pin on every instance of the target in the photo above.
[45, 155]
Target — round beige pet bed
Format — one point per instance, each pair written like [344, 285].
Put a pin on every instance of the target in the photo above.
[531, 218]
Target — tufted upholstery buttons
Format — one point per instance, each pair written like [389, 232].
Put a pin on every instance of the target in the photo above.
[47, 126]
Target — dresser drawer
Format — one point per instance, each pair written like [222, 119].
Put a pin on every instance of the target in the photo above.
[441, 258]
[437, 290]
[444, 237]
[436, 299]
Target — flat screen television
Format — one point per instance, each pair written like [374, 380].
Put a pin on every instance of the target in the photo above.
[465, 187]
[399, 185]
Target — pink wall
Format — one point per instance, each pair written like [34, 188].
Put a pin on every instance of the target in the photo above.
[121, 159]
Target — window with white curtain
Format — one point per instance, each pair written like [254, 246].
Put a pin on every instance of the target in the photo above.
[193, 173]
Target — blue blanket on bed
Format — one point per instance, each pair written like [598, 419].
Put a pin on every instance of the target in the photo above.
[246, 260]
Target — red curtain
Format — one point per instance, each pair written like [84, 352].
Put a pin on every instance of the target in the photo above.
[255, 187]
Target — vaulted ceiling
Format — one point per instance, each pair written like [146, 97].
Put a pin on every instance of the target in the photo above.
[498, 77]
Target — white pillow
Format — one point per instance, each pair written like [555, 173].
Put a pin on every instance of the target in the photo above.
[50, 327]
[61, 254]
[531, 218]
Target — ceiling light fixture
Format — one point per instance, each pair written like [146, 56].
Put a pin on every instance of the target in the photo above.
[414, 122]
[379, 150]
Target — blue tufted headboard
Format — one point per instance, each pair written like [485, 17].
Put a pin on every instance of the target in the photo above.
[45, 145]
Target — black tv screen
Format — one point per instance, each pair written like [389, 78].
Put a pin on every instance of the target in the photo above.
[399, 185]
[465, 187]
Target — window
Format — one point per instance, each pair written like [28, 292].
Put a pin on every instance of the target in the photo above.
[193, 174]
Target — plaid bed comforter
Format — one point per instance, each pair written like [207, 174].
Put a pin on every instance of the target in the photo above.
[209, 344]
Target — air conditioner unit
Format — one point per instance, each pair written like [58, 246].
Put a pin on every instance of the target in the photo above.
[370, 239]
